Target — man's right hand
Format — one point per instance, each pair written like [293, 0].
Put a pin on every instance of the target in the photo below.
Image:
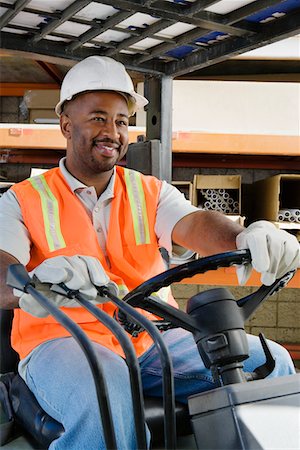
[80, 273]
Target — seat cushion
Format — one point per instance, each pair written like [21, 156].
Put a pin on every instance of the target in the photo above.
[30, 416]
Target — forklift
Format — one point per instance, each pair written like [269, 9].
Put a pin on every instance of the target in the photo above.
[245, 410]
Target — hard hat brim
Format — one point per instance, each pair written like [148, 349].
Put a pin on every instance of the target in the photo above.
[138, 101]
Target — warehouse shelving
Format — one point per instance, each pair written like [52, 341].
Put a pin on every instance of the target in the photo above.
[36, 144]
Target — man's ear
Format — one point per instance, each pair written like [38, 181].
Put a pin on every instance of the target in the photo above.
[65, 126]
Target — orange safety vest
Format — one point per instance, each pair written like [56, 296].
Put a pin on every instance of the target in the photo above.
[58, 224]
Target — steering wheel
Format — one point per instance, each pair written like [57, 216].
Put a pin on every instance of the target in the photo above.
[172, 317]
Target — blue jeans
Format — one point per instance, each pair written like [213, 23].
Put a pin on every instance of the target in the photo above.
[60, 378]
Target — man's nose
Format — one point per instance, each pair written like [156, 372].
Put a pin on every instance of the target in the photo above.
[110, 129]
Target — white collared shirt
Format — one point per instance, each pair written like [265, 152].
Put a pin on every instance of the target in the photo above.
[15, 239]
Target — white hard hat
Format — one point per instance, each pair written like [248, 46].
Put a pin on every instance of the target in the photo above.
[99, 73]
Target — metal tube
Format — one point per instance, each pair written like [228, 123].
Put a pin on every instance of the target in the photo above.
[87, 347]
[167, 368]
[132, 363]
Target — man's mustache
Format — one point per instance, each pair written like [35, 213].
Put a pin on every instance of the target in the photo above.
[106, 141]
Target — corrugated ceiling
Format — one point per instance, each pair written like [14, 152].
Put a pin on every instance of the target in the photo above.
[173, 37]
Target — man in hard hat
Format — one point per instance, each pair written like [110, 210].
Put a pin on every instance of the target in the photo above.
[90, 222]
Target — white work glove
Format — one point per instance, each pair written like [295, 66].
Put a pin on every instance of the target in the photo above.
[76, 272]
[274, 252]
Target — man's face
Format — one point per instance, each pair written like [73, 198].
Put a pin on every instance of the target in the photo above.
[96, 127]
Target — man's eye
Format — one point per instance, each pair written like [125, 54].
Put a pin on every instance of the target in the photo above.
[98, 119]
[123, 123]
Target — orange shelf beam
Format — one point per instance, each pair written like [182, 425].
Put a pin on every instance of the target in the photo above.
[39, 137]
[49, 137]
[251, 144]
[19, 89]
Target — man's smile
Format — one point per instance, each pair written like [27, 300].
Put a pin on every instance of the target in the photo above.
[106, 149]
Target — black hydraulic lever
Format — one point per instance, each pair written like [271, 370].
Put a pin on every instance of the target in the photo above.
[251, 302]
[265, 369]
[131, 359]
[18, 278]
[167, 368]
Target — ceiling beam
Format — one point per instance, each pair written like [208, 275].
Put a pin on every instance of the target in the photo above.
[237, 69]
[65, 15]
[51, 70]
[95, 31]
[67, 37]
[171, 11]
[240, 14]
[148, 32]
[204, 19]
[251, 8]
[11, 13]
[56, 15]
[200, 5]
[55, 53]
[274, 31]
[161, 49]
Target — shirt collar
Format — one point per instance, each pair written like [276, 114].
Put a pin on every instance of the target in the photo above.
[75, 184]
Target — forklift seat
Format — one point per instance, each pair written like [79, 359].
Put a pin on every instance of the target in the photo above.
[21, 406]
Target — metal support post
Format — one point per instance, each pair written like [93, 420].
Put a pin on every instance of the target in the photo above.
[159, 92]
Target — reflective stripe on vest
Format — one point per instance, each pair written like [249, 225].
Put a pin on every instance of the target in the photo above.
[123, 290]
[138, 206]
[51, 218]
[50, 212]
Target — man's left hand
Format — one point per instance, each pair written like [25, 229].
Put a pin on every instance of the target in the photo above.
[274, 252]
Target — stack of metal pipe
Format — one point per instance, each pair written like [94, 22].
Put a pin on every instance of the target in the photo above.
[289, 215]
[219, 200]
